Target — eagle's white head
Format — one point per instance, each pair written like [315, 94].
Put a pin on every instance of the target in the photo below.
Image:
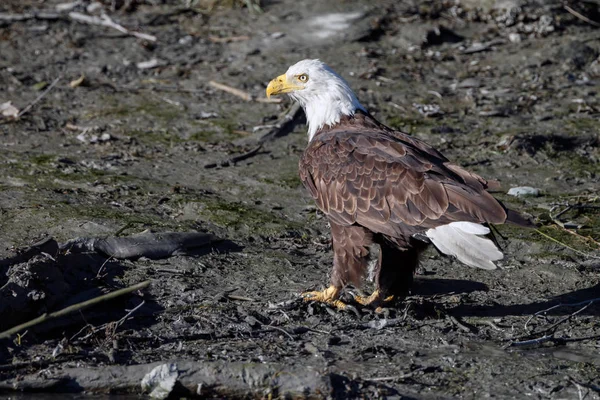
[324, 95]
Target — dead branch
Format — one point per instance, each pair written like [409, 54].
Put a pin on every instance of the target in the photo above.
[105, 20]
[235, 159]
[241, 94]
[240, 298]
[566, 245]
[535, 342]
[397, 377]
[41, 15]
[280, 330]
[581, 16]
[285, 124]
[116, 324]
[585, 303]
[551, 337]
[73, 308]
[37, 99]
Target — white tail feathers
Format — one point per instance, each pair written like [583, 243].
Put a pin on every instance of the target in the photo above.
[463, 240]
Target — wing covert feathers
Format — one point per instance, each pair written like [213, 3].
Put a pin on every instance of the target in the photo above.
[391, 183]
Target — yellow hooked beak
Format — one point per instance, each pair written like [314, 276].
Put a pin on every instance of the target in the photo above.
[281, 85]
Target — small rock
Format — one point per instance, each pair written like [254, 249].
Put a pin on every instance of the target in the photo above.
[524, 191]
[514, 37]
[428, 110]
[469, 83]
[153, 63]
[206, 115]
[185, 40]
[7, 110]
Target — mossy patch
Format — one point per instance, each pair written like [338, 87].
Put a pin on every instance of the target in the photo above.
[115, 107]
[409, 125]
[241, 216]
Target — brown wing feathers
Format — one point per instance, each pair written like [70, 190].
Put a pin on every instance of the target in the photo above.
[387, 182]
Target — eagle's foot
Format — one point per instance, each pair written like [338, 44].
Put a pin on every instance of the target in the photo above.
[375, 300]
[328, 296]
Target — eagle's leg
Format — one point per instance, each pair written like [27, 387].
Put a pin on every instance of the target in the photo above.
[350, 251]
[394, 272]
[329, 296]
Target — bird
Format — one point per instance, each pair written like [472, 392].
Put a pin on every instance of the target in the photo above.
[381, 186]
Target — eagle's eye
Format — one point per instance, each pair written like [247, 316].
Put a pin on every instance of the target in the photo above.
[303, 78]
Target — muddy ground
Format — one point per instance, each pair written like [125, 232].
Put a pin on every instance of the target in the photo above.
[508, 89]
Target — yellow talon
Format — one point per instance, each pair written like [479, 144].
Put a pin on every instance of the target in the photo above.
[373, 300]
[328, 296]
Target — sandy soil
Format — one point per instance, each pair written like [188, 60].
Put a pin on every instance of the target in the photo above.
[510, 93]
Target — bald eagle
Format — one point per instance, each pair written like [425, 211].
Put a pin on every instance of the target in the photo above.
[377, 185]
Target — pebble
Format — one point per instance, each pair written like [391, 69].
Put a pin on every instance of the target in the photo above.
[524, 191]
[514, 37]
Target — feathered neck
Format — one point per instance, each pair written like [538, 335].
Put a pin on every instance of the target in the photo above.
[327, 105]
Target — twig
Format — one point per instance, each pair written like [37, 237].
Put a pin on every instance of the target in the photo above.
[591, 386]
[567, 246]
[42, 15]
[74, 307]
[240, 298]
[103, 326]
[459, 324]
[105, 20]
[551, 337]
[281, 330]
[548, 338]
[397, 377]
[40, 97]
[585, 303]
[233, 160]
[241, 94]
[581, 17]
[487, 322]
[285, 124]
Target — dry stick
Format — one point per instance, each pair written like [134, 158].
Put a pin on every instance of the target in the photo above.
[548, 338]
[397, 377]
[75, 307]
[240, 298]
[241, 94]
[551, 337]
[40, 97]
[285, 124]
[280, 330]
[42, 15]
[103, 326]
[105, 20]
[586, 303]
[581, 17]
[567, 246]
[235, 159]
